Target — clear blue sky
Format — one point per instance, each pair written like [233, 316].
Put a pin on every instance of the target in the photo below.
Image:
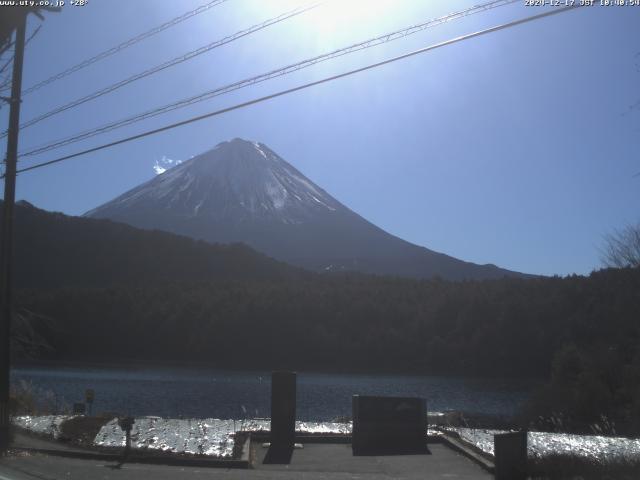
[518, 148]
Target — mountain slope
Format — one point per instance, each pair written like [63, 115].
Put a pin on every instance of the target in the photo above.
[242, 191]
[55, 250]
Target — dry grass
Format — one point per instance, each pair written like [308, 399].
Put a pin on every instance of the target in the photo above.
[82, 430]
[565, 467]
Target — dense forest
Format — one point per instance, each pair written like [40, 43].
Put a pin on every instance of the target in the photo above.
[117, 294]
[584, 332]
[502, 327]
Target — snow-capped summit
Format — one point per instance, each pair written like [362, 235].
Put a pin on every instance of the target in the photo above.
[237, 181]
[242, 191]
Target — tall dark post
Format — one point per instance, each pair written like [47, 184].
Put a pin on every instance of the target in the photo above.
[283, 417]
[7, 230]
[283, 408]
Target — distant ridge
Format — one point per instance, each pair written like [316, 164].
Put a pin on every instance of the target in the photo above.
[242, 191]
[54, 250]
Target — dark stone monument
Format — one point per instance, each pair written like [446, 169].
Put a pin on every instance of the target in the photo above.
[126, 424]
[510, 450]
[389, 425]
[283, 417]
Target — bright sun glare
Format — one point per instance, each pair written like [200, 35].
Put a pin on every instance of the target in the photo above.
[336, 15]
[333, 16]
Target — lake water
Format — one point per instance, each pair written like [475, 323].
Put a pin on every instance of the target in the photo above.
[200, 393]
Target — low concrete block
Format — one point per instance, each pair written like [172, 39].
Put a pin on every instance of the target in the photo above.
[510, 450]
[389, 425]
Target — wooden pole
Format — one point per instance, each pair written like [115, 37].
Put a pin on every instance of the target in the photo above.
[6, 248]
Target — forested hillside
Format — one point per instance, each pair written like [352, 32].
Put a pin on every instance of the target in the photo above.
[54, 250]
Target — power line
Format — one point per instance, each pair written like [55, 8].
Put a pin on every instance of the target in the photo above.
[6, 64]
[123, 45]
[304, 86]
[372, 42]
[170, 63]
[11, 60]
[26, 42]
[6, 47]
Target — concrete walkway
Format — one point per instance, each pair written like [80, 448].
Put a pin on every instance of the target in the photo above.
[439, 465]
[27, 440]
[331, 459]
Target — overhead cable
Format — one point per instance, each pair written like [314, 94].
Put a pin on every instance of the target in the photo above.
[167, 64]
[469, 36]
[378, 40]
[126, 44]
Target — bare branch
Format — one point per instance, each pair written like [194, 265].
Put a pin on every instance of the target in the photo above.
[622, 248]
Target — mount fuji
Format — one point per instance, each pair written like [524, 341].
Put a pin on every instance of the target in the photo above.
[242, 191]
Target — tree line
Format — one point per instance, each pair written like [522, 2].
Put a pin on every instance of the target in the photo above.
[581, 332]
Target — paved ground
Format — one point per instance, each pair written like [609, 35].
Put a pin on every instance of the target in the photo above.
[314, 462]
[331, 459]
[26, 440]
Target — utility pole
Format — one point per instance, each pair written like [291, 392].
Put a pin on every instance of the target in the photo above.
[6, 251]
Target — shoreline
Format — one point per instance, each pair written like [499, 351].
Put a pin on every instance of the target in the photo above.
[207, 367]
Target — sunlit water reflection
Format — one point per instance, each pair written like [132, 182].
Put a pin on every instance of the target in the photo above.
[542, 444]
[215, 437]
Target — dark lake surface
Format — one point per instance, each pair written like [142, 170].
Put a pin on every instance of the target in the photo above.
[200, 393]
